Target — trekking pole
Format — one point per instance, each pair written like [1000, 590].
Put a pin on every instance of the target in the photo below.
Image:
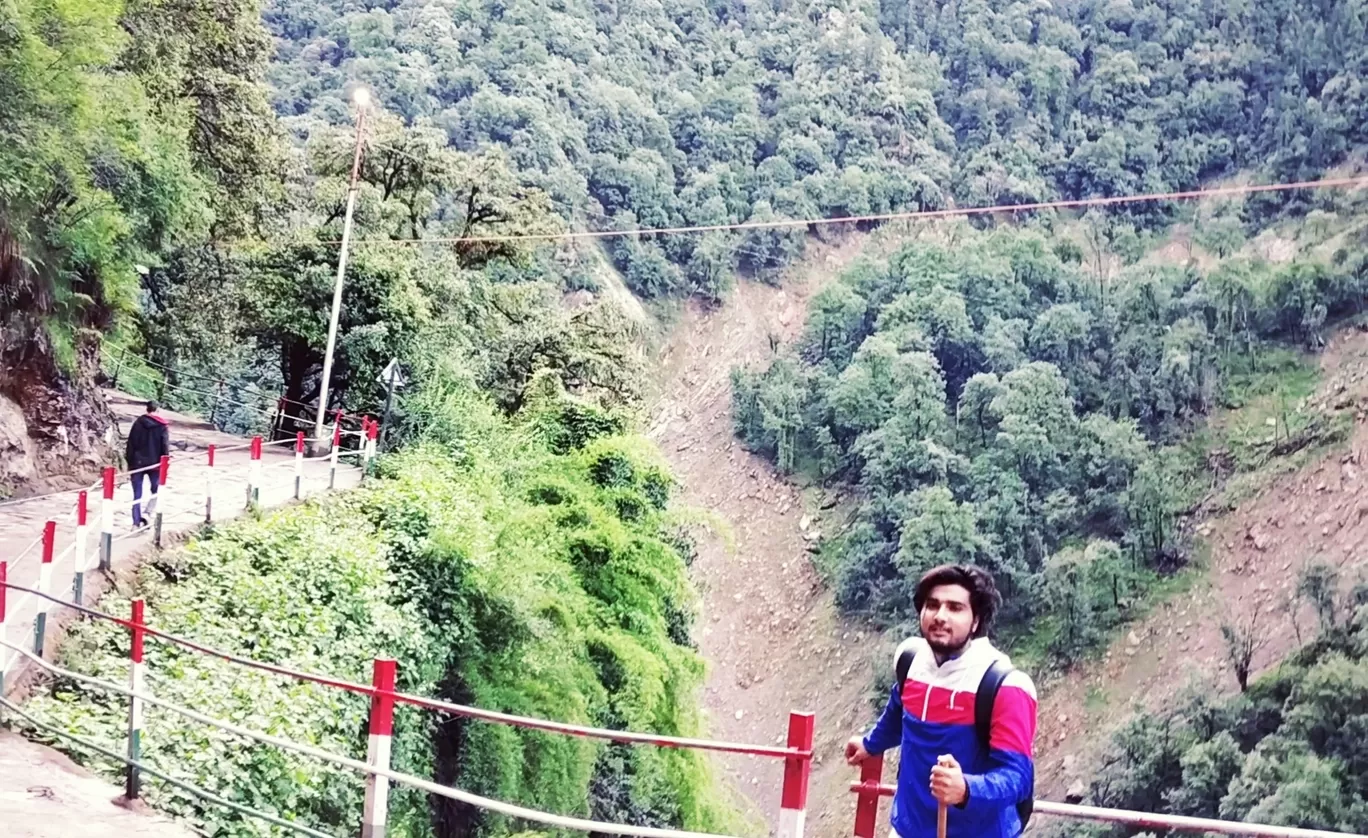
[941, 811]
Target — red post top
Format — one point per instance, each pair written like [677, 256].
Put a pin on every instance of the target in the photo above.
[374, 431]
[162, 468]
[109, 483]
[138, 622]
[256, 448]
[337, 431]
[867, 803]
[4, 572]
[798, 769]
[382, 706]
[81, 509]
[49, 540]
[211, 456]
[299, 442]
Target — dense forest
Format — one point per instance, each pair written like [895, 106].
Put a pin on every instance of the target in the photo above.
[643, 114]
[164, 207]
[995, 405]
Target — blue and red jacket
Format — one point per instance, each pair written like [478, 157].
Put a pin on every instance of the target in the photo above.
[933, 716]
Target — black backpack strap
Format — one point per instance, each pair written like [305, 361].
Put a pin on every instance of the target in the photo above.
[903, 666]
[984, 700]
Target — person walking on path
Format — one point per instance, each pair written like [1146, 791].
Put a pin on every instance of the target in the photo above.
[966, 721]
[148, 441]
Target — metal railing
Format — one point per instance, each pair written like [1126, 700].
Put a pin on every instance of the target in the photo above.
[797, 754]
[871, 788]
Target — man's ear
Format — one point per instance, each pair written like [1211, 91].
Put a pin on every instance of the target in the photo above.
[973, 630]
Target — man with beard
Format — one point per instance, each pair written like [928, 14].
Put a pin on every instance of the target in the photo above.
[964, 718]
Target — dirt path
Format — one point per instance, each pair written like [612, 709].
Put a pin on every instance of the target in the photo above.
[769, 630]
[1257, 552]
[45, 795]
[42, 792]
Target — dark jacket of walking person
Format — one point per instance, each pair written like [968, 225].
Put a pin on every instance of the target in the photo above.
[148, 441]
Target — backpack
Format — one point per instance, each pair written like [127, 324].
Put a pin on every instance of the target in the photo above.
[984, 699]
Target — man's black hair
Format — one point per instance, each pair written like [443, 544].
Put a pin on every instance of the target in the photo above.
[984, 598]
[152, 406]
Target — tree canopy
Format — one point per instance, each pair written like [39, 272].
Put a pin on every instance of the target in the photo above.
[640, 114]
[993, 405]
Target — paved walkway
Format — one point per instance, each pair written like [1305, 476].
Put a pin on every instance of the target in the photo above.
[182, 503]
[45, 795]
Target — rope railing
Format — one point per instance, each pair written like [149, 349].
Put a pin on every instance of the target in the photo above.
[48, 496]
[255, 442]
[871, 788]
[162, 506]
[144, 768]
[424, 702]
[212, 380]
[276, 416]
[369, 769]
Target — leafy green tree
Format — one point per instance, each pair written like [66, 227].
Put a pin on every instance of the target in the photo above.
[975, 407]
[936, 530]
[1208, 768]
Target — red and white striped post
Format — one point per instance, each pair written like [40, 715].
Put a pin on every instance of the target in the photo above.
[299, 462]
[82, 544]
[44, 583]
[361, 452]
[797, 770]
[209, 489]
[372, 433]
[378, 749]
[163, 469]
[867, 797]
[254, 474]
[332, 455]
[135, 708]
[107, 521]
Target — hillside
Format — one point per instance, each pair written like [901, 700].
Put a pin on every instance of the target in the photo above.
[641, 114]
[1265, 500]
[1257, 553]
[770, 631]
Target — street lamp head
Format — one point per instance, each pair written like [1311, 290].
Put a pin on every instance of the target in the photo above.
[361, 96]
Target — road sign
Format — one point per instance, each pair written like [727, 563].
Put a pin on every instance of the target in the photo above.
[392, 376]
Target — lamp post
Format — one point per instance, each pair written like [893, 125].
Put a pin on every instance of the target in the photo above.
[362, 99]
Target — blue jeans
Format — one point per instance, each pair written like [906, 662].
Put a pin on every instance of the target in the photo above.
[152, 476]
